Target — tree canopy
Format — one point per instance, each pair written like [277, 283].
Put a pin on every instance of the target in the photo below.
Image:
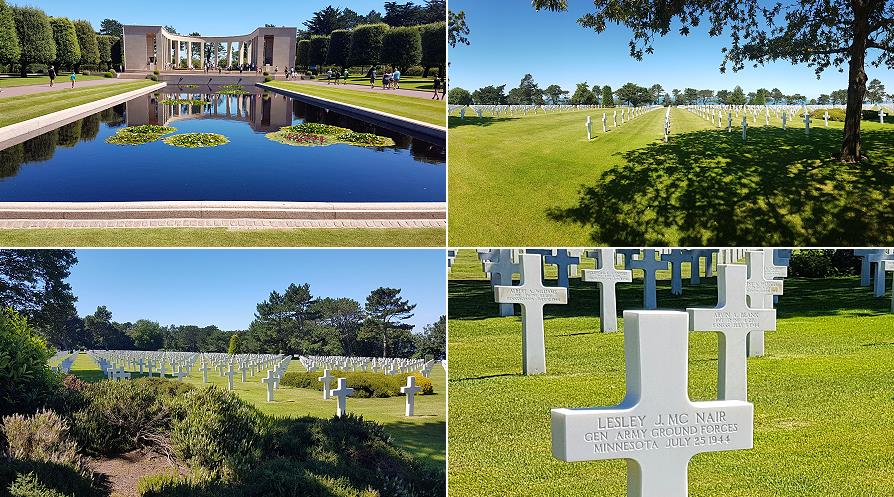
[87, 41]
[10, 51]
[68, 50]
[35, 37]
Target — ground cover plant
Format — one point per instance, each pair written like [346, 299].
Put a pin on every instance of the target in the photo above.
[197, 140]
[139, 135]
[627, 187]
[822, 394]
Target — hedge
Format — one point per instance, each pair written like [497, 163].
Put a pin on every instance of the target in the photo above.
[365, 385]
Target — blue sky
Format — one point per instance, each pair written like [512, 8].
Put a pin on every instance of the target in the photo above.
[207, 17]
[509, 41]
[222, 287]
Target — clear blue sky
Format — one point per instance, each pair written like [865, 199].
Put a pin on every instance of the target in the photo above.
[207, 17]
[222, 287]
[509, 38]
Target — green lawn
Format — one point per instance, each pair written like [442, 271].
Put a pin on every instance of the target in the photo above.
[62, 78]
[420, 109]
[535, 180]
[406, 82]
[423, 435]
[213, 237]
[22, 108]
[823, 394]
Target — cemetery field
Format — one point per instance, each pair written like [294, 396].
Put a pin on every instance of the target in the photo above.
[535, 180]
[213, 237]
[422, 435]
[24, 107]
[420, 109]
[823, 394]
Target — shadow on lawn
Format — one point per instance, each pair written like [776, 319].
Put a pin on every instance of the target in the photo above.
[473, 299]
[709, 188]
[473, 120]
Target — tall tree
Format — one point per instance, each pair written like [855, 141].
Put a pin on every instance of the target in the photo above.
[146, 335]
[105, 44]
[433, 340]
[656, 90]
[87, 42]
[339, 48]
[831, 33]
[33, 283]
[634, 94]
[386, 315]
[111, 27]
[402, 47]
[344, 316]
[403, 14]
[103, 333]
[10, 51]
[583, 95]
[366, 44]
[608, 97]
[459, 96]
[434, 11]
[875, 92]
[555, 93]
[35, 37]
[434, 47]
[68, 51]
[490, 95]
[776, 95]
[319, 47]
[457, 29]
[737, 97]
[326, 21]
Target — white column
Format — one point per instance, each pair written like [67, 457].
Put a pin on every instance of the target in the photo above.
[229, 53]
[241, 53]
[217, 53]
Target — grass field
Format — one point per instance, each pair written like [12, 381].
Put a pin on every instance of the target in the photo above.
[213, 237]
[536, 181]
[420, 109]
[422, 435]
[22, 108]
[61, 79]
[823, 395]
[406, 82]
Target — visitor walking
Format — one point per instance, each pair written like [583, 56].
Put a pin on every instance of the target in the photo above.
[395, 78]
[437, 88]
[386, 80]
[52, 74]
[74, 77]
[337, 75]
[344, 76]
[329, 77]
[371, 74]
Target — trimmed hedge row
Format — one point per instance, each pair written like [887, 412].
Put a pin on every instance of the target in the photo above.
[365, 385]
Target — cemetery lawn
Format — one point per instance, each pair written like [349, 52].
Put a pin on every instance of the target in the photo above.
[536, 181]
[214, 237]
[823, 395]
[420, 109]
[24, 107]
[422, 435]
[61, 79]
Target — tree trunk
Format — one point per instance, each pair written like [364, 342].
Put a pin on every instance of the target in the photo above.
[23, 69]
[856, 88]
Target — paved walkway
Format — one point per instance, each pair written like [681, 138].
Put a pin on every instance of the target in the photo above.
[233, 224]
[60, 85]
[366, 88]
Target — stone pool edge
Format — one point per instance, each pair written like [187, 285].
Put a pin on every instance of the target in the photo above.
[214, 213]
[25, 130]
[432, 132]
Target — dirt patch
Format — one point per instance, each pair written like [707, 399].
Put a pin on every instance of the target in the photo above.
[123, 472]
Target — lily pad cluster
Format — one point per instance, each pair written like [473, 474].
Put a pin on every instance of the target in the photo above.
[190, 86]
[139, 135]
[318, 135]
[184, 101]
[233, 90]
[197, 140]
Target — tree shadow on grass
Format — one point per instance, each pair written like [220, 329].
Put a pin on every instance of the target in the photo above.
[473, 120]
[709, 188]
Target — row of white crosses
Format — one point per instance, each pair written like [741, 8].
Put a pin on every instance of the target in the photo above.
[513, 110]
[384, 365]
[343, 392]
[532, 295]
[709, 111]
[874, 264]
[657, 428]
[627, 114]
[113, 362]
[62, 361]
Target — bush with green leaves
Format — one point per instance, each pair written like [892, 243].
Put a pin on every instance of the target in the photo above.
[434, 45]
[109, 74]
[68, 52]
[35, 37]
[87, 42]
[218, 433]
[121, 416]
[402, 47]
[339, 52]
[43, 477]
[10, 51]
[302, 55]
[152, 77]
[366, 44]
[365, 385]
[319, 47]
[823, 263]
[28, 485]
[42, 437]
[27, 382]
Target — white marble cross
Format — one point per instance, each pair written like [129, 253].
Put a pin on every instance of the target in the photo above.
[181, 372]
[744, 126]
[806, 121]
[607, 276]
[676, 258]
[784, 119]
[729, 122]
[342, 392]
[603, 123]
[733, 320]
[877, 258]
[760, 291]
[410, 391]
[501, 269]
[656, 428]
[327, 382]
[888, 266]
[650, 265]
[204, 369]
[865, 265]
[270, 380]
[589, 128]
[563, 260]
[881, 116]
[615, 118]
[532, 296]
[230, 374]
[826, 118]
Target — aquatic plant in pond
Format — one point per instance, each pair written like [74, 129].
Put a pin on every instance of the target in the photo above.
[197, 140]
[365, 139]
[139, 135]
[191, 87]
[233, 90]
[184, 101]
[301, 139]
[316, 129]
[320, 135]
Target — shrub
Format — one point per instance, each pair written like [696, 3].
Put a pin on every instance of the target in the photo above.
[434, 44]
[53, 477]
[366, 44]
[109, 74]
[319, 47]
[43, 437]
[265, 73]
[268, 79]
[218, 432]
[27, 381]
[86, 72]
[414, 71]
[121, 416]
[365, 385]
[153, 77]
[402, 47]
[29, 486]
[823, 263]
[155, 72]
[339, 48]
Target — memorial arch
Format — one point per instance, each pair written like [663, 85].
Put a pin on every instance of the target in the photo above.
[150, 48]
